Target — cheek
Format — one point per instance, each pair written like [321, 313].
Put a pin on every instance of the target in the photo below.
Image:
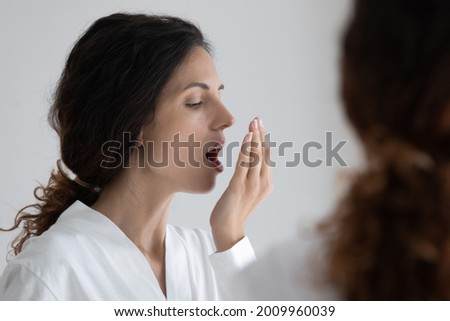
[190, 138]
[178, 142]
[196, 124]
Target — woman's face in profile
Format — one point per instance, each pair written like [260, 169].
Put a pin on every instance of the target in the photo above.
[190, 117]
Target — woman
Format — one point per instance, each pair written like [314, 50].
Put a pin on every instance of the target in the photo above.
[134, 89]
[389, 238]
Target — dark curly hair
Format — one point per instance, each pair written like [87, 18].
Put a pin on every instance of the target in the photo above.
[390, 235]
[110, 85]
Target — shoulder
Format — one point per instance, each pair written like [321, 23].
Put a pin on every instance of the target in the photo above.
[66, 244]
[43, 258]
[32, 273]
[20, 283]
[50, 246]
[70, 233]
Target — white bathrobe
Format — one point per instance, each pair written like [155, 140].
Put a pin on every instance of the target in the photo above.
[85, 256]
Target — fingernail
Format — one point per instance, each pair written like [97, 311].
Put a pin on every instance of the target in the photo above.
[261, 123]
[255, 123]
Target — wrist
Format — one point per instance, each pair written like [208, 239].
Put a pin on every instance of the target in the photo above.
[226, 239]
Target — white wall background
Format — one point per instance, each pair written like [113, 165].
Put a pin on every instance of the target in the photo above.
[277, 58]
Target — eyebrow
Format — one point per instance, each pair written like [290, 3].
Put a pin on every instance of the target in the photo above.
[201, 85]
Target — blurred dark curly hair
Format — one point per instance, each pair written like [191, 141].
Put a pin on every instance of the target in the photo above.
[390, 234]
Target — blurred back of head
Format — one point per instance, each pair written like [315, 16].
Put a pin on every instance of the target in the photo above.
[396, 72]
[390, 235]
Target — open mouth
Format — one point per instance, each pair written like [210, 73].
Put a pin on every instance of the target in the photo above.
[212, 155]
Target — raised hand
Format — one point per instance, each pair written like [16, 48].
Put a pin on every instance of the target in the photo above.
[250, 184]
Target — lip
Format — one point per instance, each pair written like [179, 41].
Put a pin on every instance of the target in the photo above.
[219, 142]
[217, 167]
[215, 149]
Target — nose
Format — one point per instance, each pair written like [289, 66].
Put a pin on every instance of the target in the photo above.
[223, 118]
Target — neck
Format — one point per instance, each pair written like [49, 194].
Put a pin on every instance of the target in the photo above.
[138, 208]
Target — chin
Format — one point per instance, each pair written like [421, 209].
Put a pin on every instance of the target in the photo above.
[202, 185]
[205, 188]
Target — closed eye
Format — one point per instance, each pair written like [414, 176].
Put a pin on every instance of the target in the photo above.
[194, 105]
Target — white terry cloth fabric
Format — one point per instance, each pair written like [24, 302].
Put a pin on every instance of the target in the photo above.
[85, 256]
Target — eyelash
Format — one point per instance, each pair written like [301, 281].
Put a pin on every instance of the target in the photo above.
[196, 105]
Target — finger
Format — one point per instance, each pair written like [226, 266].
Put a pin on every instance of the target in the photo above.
[262, 133]
[265, 150]
[243, 161]
[256, 154]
